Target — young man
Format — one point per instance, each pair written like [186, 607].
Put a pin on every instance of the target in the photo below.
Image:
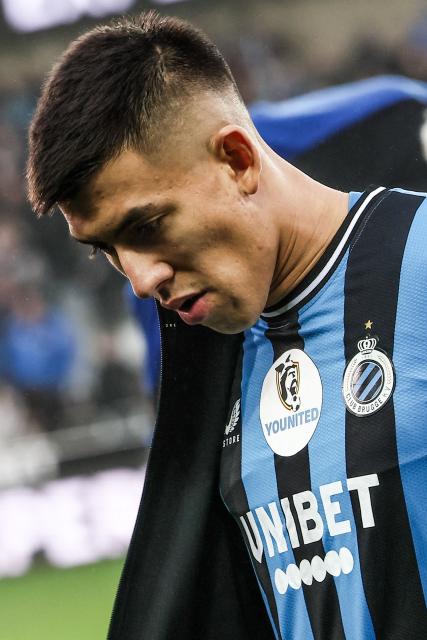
[293, 327]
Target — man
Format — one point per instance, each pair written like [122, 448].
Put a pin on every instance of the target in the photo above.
[142, 140]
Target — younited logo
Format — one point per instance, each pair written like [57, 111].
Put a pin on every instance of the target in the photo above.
[291, 402]
[287, 381]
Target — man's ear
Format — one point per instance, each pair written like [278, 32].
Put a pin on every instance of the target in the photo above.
[236, 147]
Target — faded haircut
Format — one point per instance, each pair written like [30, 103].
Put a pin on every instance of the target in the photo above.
[113, 89]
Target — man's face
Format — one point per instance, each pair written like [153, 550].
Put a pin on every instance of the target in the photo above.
[187, 236]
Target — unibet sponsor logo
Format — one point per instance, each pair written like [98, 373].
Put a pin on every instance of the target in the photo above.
[271, 529]
[291, 402]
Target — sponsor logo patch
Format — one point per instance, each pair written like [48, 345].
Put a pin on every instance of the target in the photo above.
[369, 379]
[291, 402]
[231, 425]
[234, 418]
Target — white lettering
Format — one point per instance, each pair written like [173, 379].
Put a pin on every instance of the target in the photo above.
[362, 484]
[290, 523]
[255, 543]
[272, 528]
[308, 514]
[333, 508]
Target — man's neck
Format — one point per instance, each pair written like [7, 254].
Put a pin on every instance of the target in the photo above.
[312, 214]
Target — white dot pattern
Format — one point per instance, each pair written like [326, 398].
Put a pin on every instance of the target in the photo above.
[333, 564]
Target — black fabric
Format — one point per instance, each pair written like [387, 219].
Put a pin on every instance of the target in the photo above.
[384, 148]
[188, 574]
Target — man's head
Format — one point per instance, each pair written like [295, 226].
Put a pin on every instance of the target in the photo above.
[127, 85]
[142, 140]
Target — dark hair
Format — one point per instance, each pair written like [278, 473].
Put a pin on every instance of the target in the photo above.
[112, 89]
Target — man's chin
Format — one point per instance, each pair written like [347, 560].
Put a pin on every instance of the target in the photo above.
[228, 326]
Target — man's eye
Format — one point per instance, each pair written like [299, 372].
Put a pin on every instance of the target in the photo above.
[149, 228]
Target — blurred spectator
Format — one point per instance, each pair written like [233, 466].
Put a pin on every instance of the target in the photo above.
[14, 416]
[412, 54]
[145, 313]
[18, 262]
[11, 179]
[38, 349]
[117, 383]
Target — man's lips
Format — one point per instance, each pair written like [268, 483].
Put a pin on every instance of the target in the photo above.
[192, 309]
[182, 303]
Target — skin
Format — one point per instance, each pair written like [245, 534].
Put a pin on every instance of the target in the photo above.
[220, 214]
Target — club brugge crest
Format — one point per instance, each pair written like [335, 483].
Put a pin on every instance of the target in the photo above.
[291, 402]
[368, 379]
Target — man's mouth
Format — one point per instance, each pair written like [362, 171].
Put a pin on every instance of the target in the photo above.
[194, 309]
[187, 304]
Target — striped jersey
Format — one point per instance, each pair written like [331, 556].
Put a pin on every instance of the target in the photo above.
[323, 462]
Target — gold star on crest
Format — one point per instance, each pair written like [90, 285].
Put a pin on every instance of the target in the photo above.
[368, 324]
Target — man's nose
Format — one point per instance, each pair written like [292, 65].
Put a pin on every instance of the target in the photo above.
[146, 272]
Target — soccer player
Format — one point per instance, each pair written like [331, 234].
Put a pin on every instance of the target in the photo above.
[294, 363]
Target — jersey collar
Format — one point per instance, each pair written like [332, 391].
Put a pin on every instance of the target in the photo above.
[328, 261]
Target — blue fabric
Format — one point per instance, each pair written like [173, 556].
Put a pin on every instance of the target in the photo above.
[353, 197]
[411, 383]
[295, 125]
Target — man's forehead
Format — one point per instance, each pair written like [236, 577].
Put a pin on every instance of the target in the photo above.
[85, 208]
[76, 223]
[81, 205]
[81, 213]
[127, 183]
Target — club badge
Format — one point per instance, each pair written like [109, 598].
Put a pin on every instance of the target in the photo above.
[291, 402]
[368, 379]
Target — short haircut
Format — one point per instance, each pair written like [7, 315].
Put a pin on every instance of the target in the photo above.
[112, 90]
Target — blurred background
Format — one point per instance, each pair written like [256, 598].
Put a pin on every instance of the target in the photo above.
[79, 359]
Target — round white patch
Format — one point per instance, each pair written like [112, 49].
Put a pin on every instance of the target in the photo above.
[291, 402]
[306, 572]
[294, 576]
[318, 568]
[281, 580]
[347, 561]
[333, 563]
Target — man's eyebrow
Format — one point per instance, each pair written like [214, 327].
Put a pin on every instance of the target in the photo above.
[133, 215]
